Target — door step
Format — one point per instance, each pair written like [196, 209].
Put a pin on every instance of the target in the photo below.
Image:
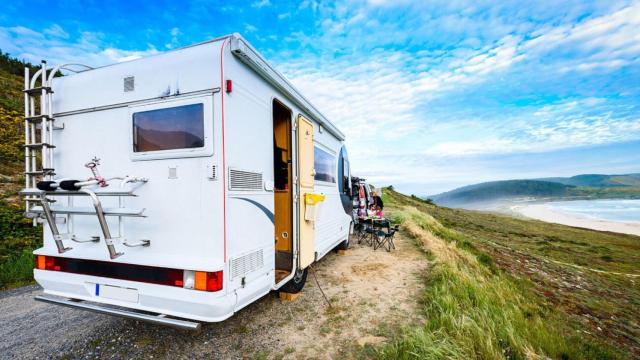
[288, 296]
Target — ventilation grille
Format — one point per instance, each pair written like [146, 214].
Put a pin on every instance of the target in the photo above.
[246, 264]
[244, 180]
[129, 83]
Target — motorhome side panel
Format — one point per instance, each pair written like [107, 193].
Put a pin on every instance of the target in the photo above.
[248, 139]
[253, 92]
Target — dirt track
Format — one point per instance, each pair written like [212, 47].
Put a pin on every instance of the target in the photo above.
[369, 291]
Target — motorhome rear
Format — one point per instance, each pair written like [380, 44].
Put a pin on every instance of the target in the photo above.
[184, 185]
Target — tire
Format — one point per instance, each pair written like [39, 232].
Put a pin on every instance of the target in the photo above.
[296, 284]
[345, 244]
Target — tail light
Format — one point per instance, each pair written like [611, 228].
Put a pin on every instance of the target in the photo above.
[207, 281]
[46, 263]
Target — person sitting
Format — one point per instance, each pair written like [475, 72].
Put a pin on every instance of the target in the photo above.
[377, 205]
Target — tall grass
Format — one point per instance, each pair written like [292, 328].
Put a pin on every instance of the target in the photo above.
[475, 311]
[16, 270]
[18, 238]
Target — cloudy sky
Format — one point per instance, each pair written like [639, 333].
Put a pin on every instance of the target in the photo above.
[431, 96]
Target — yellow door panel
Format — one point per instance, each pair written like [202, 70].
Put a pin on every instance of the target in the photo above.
[306, 174]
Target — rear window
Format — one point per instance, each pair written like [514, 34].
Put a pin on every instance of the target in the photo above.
[180, 127]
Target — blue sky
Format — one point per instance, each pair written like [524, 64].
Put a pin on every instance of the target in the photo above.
[432, 95]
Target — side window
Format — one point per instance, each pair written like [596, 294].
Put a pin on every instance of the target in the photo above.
[325, 165]
[344, 172]
[180, 127]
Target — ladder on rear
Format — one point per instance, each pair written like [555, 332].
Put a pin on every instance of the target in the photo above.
[38, 112]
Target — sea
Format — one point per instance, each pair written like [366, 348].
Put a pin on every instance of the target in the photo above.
[614, 210]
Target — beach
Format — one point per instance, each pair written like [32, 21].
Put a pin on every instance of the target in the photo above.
[545, 212]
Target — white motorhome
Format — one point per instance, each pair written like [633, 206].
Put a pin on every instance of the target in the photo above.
[181, 187]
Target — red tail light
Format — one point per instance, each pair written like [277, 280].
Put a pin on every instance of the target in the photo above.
[46, 263]
[208, 281]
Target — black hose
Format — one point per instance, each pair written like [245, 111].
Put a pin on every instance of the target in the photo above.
[69, 185]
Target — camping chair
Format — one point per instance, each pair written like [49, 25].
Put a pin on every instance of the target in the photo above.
[381, 228]
[363, 231]
[385, 239]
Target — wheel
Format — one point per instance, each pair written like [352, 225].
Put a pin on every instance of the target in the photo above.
[296, 284]
[345, 244]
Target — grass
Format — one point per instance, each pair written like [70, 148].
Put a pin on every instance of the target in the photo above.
[478, 307]
[18, 238]
[17, 270]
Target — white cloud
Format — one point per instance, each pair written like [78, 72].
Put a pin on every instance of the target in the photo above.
[56, 30]
[261, 4]
[89, 48]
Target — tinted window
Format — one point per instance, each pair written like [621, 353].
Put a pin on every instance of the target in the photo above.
[343, 172]
[180, 127]
[325, 165]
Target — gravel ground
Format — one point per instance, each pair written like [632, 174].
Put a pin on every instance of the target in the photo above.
[371, 292]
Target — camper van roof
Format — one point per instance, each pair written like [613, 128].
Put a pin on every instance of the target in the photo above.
[252, 58]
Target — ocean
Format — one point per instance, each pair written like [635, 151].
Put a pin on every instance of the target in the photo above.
[614, 210]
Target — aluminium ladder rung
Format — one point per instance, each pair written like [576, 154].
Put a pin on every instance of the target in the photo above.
[38, 90]
[39, 146]
[40, 172]
[39, 118]
[115, 211]
[55, 127]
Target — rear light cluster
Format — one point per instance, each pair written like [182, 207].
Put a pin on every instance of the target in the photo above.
[200, 280]
[188, 279]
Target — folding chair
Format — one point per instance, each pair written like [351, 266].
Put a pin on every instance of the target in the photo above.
[387, 238]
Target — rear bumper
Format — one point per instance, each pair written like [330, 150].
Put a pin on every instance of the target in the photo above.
[105, 309]
[157, 299]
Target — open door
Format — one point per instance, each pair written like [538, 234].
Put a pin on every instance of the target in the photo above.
[306, 174]
[283, 190]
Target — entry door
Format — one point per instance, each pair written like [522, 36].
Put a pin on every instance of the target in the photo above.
[306, 174]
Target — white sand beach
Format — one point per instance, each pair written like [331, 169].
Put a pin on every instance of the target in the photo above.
[542, 211]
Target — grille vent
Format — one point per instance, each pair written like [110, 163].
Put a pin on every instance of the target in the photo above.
[244, 180]
[246, 264]
[129, 83]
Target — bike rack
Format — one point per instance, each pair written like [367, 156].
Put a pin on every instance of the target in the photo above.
[49, 212]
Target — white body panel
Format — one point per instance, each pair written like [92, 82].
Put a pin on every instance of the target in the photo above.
[194, 221]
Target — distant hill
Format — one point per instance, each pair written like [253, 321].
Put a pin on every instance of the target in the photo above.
[598, 180]
[580, 186]
[494, 190]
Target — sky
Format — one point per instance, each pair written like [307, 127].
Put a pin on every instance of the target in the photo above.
[432, 95]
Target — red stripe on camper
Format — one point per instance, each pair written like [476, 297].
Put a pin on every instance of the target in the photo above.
[224, 166]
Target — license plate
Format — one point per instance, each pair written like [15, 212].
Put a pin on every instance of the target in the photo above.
[116, 293]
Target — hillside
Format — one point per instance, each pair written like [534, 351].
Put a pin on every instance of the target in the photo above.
[17, 235]
[501, 287]
[580, 186]
[502, 189]
[598, 180]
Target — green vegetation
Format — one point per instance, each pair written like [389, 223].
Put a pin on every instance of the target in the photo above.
[501, 287]
[18, 237]
[577, 187]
